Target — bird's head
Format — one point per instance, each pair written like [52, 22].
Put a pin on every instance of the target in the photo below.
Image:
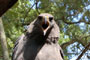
[46, 21]
[44, 26]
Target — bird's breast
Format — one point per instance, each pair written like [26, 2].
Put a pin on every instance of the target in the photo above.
[49, 52]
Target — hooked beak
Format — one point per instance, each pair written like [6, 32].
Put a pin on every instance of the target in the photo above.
[45, 25]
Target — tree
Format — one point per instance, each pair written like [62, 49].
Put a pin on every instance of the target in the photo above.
[4, 6]
[72, 16]
[3, 42]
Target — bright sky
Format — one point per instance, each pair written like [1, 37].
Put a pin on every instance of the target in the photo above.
[74, 57]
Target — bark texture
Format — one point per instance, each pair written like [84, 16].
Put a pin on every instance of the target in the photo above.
[5, 5]
[3, 42]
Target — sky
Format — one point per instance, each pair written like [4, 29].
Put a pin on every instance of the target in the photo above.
[74, 57]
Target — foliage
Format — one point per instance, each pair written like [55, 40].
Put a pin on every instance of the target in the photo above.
[72, 17]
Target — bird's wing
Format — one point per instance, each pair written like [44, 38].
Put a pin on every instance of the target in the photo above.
[16, 45]
[61, 52]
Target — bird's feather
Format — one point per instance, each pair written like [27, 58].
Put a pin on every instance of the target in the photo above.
[34, 45]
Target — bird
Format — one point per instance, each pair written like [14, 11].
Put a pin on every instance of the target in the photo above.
[40, 42]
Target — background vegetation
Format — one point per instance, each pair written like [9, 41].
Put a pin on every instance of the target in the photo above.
[72, 16]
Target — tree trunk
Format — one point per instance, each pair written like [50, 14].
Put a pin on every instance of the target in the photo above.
[3, 42]
[5, 5]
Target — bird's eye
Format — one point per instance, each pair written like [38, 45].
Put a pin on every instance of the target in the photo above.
[50, 18]
[40, 17]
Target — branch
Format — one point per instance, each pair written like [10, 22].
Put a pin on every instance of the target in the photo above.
[82, 41]
[37, 6]
[31, 8]
[1, 56]
[84, 11]
[70, 22]
[28, 11]
[85, 36]
[5, 5]
[64, 45]
[75, 22]
[86, 48]
[63, 19]
[3, 42]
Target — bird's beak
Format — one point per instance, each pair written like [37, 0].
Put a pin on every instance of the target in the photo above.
[45, 25]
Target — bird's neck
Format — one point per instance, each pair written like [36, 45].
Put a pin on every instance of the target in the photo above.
[52, 40]
[36, 35]
[41, 39]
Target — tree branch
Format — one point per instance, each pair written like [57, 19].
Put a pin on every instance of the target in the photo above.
[85, 36]
[28, 11]
[63, 19]
[31, 8]
[84, 42]
[3, 42]
[64, 45]
[37, 6]
[86, 48]
[5, 5]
